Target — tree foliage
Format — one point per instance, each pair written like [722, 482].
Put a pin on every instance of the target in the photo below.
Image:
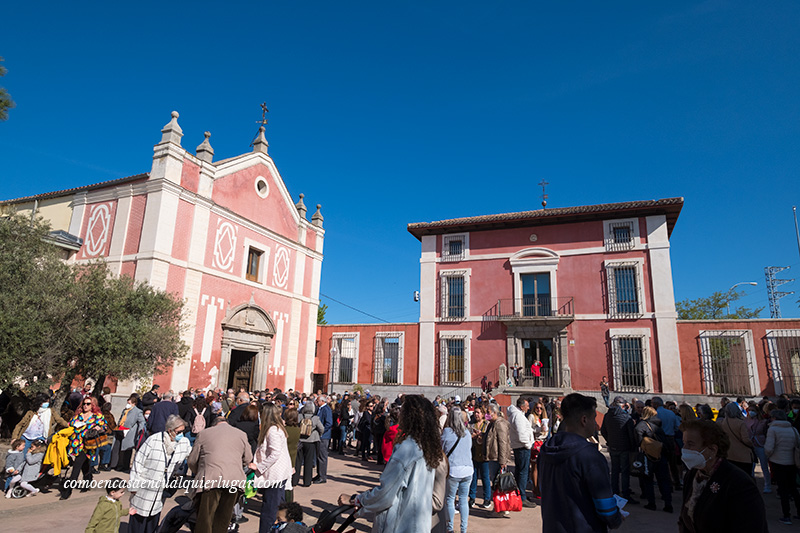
[321, 310]
[6, 102]
[715, 307]
[60, 321]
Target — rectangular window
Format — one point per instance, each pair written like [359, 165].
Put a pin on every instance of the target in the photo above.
[344, 358]
[727, 362]
[454, 247]
[453, 286]
[620, 234]
[784, 351]
[536, 294]
[453, 360]
[253, 264]
[631, 372]
[624, 291]
[388, 359]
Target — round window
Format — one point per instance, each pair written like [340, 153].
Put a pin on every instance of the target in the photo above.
[262, 187]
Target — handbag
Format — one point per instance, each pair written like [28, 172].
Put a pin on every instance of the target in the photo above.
[651, 446]
[505, 494]
[640, 465]
[93, 439]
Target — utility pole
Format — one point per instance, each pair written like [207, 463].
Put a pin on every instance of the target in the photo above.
[775, 295]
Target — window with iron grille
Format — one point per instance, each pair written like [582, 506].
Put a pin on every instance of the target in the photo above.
[630, 363]
[454, 247]
[624, 289]
[344, 358]
[620, 235]
[453, 360]
[388, 360]
[784, 353]
[727, 362]
[454, 294]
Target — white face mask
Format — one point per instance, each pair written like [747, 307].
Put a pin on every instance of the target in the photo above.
[693, 459]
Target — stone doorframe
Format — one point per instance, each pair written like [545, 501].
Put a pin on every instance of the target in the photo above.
[249, 328]
[515, 354]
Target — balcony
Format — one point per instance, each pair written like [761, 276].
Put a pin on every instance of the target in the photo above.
[537, 310]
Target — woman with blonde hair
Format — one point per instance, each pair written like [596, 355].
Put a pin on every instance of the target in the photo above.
[649, 426]
[272, 464]
[541, 429]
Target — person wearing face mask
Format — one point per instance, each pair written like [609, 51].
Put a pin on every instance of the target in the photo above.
[130, 423]
[38, 423]
[782, 439]
[757, 427]
[153, 467]
[717, 496]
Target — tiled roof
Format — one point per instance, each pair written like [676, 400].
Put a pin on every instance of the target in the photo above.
[65, 192]
[669, 206]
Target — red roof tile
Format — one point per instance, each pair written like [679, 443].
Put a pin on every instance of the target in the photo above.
[65, 192]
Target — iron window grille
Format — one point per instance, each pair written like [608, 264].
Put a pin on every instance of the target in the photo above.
[454, 294]
[344, 363]
[784, 352]
[727, 362]
[453, 360]
[620, 236]
[388, 358]
[631, 369]
[624, 290]
[453, 248]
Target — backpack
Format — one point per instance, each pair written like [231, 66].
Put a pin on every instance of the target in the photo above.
[306, 427]
[199, 423]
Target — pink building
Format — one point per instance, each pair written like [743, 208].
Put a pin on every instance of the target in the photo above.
[227, 237]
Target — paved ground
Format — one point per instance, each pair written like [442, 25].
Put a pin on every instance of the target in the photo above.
[45, 512]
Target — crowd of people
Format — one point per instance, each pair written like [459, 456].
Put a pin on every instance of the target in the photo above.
[436, 454]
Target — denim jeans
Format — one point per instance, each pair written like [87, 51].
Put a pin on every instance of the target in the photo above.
[481, 470]
[522, 467]
[105, 454]
[620, 468]
[460, 487]
[762, 458]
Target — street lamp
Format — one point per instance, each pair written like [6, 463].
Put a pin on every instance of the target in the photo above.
[334, 353]
[730, 291]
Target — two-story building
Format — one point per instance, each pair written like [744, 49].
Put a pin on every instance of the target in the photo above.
[226, 237]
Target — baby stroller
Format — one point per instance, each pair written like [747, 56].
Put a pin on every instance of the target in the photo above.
[328, 517]
[42, 481]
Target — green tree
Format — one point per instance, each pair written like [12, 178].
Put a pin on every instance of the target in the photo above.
[321, 310]
[58, 322]
[6, 102]
[715, 307]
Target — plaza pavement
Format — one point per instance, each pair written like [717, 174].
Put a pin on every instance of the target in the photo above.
[44, 512]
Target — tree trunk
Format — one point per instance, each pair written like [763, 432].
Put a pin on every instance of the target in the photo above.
[98, 389]
[64, 389]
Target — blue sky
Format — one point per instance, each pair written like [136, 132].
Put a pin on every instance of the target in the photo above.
[394, 112]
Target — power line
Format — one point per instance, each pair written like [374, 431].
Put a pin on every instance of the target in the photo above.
[353, 308]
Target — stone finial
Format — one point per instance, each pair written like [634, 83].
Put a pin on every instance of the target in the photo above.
[260, 144]
[301, 207]
[172, 132]
[317, 218]
[205, 152]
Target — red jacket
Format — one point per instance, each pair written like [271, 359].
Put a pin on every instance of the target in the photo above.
[388, 441]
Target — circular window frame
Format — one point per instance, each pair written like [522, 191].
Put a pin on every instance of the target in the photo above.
[259, 181]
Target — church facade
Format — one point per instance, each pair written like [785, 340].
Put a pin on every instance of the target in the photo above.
[225, 236]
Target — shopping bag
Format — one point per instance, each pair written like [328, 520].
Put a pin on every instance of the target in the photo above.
[507, 501]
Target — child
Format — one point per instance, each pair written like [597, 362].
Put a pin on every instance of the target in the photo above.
[290, 519]
[109, 512]
[30, 469]
[14, 461]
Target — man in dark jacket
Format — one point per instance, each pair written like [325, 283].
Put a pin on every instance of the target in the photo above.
[573, 475]
[242, 401]
[185, 410]
[326, 417]
[150, 398]
[617, 429]
[160, 412]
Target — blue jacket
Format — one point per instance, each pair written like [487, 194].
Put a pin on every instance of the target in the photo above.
[326, 417]
[156, 422]
[576, 487]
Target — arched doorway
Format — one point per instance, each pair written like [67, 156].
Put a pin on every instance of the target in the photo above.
[247, 334]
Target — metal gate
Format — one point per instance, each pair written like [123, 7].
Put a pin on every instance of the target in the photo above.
[784, 350]
[727, 362]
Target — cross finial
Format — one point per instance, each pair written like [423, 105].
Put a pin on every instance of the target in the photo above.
[264, 112]
[544, 184]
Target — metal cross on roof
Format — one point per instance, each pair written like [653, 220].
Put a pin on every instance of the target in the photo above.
[264, 112]
[544, 184]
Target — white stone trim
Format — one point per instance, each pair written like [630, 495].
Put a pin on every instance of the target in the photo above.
[379, 337]
[466, 273]
[610, 265]
[262, 265]
[336, 365]
[615, 334]
[608, 235]
[455, 334]
[705, 355]
[259, 180]
[445, 252]
[535, 261]
[772, 336]
[427, 353]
